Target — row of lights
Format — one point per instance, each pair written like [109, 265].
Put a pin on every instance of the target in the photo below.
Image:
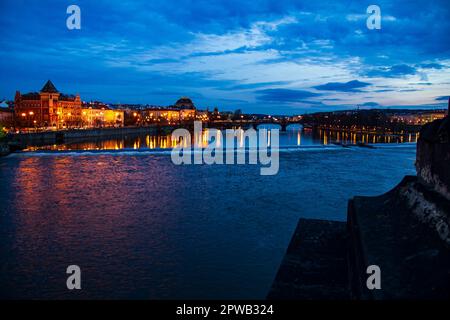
[31, 113]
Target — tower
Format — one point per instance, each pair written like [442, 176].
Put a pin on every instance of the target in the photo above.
[49, 101]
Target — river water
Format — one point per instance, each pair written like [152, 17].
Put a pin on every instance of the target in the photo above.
[140, 227]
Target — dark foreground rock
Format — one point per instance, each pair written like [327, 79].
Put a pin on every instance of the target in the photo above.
[412, 252]
[433, 156]
[405, 232]
[315, 265]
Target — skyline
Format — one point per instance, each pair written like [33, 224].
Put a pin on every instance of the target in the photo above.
[276, 58]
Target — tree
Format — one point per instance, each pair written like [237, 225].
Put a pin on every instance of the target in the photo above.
[98, 123]
[237, 114]
[2, 133]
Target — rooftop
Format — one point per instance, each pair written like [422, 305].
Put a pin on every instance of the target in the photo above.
[49, 87]
[185, 102]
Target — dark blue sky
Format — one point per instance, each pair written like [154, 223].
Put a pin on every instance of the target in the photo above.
[278, 56]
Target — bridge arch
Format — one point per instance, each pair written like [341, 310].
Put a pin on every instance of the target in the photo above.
[294, 126]
[282, 126]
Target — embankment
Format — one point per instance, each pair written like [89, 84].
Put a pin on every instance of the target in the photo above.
[24, 140]
[4, 148]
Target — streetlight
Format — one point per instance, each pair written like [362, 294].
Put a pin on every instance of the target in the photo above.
[31, 113]
[23, 116]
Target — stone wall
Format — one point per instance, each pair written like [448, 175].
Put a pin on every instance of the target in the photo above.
[433, 156]
[4, 149]
[57, 137]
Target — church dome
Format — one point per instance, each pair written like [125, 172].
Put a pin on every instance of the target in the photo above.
[185, 102]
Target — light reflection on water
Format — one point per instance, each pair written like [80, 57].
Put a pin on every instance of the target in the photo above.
[289, 138]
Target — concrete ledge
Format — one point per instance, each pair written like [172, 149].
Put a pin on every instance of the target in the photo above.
[385, 231]
[315, 264]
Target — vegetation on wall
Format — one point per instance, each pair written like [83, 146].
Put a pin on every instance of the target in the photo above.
[2, 133]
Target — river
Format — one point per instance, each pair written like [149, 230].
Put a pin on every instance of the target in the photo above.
[141, 227]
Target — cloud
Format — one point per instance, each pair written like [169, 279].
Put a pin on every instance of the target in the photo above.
[408, 90]
[363, 17]
[395, 71]
[245, 86]
[351, 86]
[431, 66]
[285, 95]
[370, 104]
[384, 90]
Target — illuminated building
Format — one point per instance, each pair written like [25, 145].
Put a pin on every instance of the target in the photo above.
[154, 114]
[183, 110]
[202, 115]
[186, 107]
[419, 118]
[47, 108]
[6, 115]
[95, 116]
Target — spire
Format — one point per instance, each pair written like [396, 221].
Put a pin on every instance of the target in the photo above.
[448, 110]
[49, 88]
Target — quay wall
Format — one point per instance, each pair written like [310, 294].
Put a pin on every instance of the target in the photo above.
[23, 140]
[4, 148]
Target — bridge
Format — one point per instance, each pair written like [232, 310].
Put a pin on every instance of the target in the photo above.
[254, 123]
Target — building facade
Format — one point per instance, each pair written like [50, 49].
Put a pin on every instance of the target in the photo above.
[183, 110]
[419, 118]
[186, 108]
[94, 115]
[47, 108]
[6, 115]
[154, 115]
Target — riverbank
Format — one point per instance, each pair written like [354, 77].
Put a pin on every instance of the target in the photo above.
[24, 140]
[380, 131]
[4, 148]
